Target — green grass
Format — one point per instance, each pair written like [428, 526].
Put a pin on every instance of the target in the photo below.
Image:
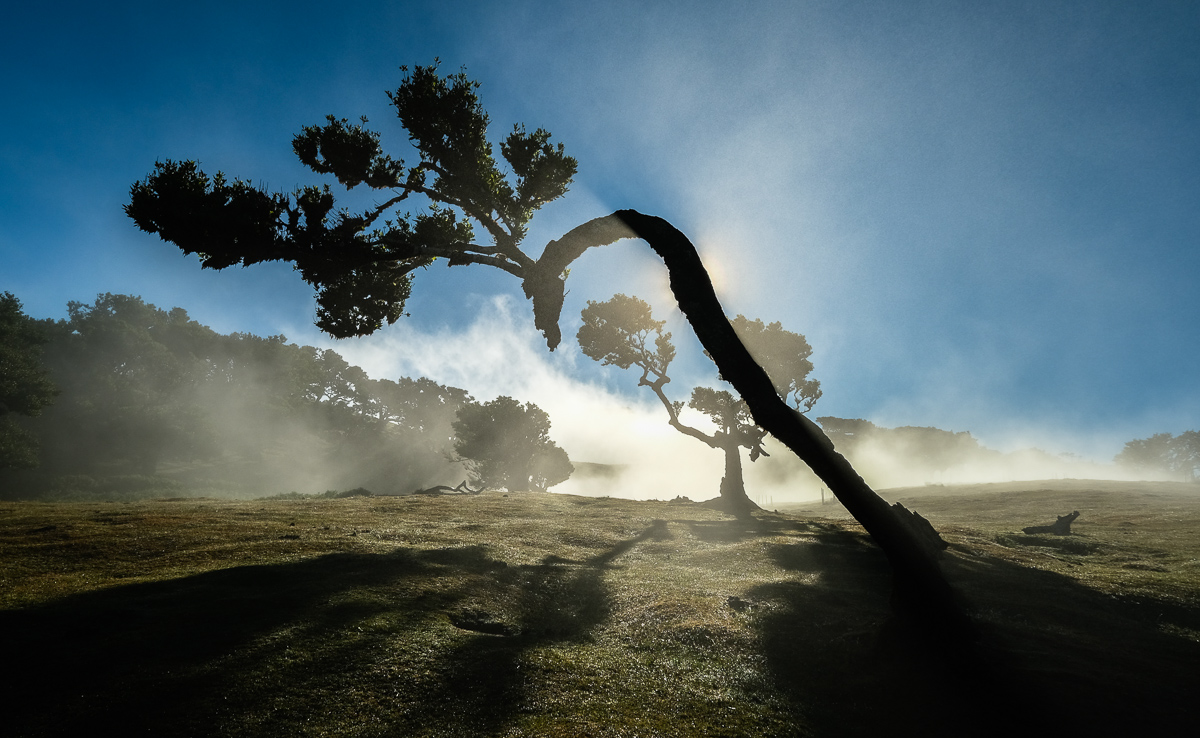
[551, 615]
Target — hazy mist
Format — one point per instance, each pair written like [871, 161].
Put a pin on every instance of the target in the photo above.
[619, 438]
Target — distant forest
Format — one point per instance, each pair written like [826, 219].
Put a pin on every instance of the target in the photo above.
[123, 400]
[151, 402]
[917, 454]
[914, 454]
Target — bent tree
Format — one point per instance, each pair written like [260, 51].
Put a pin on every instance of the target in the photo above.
[618, 332]
[361, 263]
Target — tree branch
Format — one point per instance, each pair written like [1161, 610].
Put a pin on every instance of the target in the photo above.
[502, 237]
[457, 258]
[674, 421]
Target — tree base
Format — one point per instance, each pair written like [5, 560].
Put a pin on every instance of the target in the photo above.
[741, 508]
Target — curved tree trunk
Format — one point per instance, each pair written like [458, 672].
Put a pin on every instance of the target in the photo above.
[920, 589]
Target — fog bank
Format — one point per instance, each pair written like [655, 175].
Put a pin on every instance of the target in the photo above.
[620, 441]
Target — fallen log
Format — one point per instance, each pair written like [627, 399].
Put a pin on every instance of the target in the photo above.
[441, 489]
[1060, 527]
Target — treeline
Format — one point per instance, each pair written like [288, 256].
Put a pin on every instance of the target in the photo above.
[904, 455]
[914, 454]
[149, 401]
[1176, 457]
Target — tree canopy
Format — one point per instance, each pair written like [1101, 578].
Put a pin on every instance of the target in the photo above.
[25, 385]
[507, 445]
[904, 453]
[362, 262]
[149, 392]
[1163, 453]
[785, 357]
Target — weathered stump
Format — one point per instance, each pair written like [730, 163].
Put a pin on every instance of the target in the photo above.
[1060, 527]
[922, 529]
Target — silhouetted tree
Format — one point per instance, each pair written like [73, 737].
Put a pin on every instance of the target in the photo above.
[25, 386]
[1176, 456]
[361, 263]
[420, 407]
[506, 444]
[620, 332]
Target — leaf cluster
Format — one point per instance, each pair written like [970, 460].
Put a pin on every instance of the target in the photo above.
[622, 331]
[784, 355]
[925, 448]
[618, 332]
[143, 387]
[731, 414]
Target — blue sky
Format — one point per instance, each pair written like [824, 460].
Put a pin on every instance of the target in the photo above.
[983, 216]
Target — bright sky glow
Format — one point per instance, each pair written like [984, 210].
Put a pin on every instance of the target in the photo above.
[984, 216]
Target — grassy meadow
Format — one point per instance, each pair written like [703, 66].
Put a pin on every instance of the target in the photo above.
[554, 615]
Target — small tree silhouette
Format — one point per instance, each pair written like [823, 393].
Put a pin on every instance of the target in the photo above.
[506, 444]
[620, 331]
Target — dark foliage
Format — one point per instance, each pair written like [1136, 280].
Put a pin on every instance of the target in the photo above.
[507, 445]
[152, 400]
[25, 386]
[921, 449]
[361, 263]
[1177, 457]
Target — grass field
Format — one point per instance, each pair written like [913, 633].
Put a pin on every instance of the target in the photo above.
[552, 615]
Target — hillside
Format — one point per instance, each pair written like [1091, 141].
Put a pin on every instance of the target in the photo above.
[553, 615]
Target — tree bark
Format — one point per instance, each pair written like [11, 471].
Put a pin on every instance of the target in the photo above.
[920, 590]
[733, 488]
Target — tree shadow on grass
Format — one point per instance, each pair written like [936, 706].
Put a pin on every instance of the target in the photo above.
[1107, 665]
[559, 600]
[1047, 662]
[410, 640]
[150, 655]
[738, 529]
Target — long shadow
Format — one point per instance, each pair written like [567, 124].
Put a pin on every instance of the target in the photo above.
[197, 655]
[559, 600]
[1105, 664]
[1054, 657]
[141, 654]
[735, 530]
